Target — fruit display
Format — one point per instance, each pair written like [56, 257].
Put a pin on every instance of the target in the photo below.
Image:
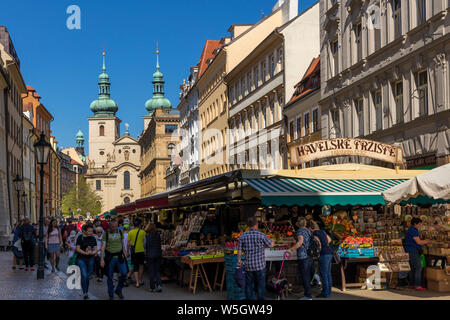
[357, 242]
[280, 234]
[339, 225]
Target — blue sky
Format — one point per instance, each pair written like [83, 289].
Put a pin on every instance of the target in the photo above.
[63, 65]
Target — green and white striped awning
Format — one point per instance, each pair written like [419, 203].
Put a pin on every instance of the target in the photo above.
[298, 191]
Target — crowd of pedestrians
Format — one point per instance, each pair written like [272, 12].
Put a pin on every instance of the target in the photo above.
[99, 248]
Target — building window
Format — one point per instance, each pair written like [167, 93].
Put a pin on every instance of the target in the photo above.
[307, 124]
[336, 123]
[315, 119]
[171, 128]
[378, 109]
[249, 82]
[102, 131]
[102, 153]
[358, 41]
[398, 96]
[272, 65]
[291, 131]
[397, 10]
[126, 180]
[421, 11]
[334, 57]
[359, 106]
[263, 72]
[422, 87]
[280, 58]
[299, 127]
[256, 77]
[98, 184]
[126, 200]
[170, 149]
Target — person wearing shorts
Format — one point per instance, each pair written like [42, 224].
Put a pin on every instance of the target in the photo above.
[136, 247]
[53, 243]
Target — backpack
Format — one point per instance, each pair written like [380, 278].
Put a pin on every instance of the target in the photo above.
[27, 235]
[314, 248]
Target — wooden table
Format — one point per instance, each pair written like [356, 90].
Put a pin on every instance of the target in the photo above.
[196, 266]
[344, 264]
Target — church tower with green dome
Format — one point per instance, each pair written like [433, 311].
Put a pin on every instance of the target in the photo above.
[158, 100]
[104, 126]
[104, 106]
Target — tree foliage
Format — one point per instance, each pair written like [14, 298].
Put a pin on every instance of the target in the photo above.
[82, 196]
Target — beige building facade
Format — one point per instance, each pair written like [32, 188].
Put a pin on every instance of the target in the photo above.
[302, 113]
[385, 75]
[214, 93]
[158, 142]
[257, 88]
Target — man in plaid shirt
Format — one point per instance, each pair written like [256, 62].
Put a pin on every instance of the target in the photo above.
[253, 243]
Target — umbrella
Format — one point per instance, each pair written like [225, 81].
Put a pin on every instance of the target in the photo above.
[432, 185]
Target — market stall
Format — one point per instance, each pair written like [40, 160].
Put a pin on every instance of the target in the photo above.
[364, 229]
[431, 190]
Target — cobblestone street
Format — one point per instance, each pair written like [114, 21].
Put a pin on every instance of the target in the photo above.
[22, 285]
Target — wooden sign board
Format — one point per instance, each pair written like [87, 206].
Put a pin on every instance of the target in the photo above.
[301, 153]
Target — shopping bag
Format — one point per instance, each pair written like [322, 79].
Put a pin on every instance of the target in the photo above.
[423, 261]
[73, 259]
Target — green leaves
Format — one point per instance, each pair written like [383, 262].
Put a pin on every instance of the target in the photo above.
[83, 197]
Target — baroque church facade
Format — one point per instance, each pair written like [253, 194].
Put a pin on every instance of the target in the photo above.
[114, 160]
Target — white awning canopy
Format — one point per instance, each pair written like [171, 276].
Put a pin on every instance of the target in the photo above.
[433, 184]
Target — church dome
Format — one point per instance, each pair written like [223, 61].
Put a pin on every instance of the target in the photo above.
[104, 106]
[158, 100]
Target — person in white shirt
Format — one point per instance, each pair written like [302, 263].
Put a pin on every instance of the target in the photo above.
[71, 243]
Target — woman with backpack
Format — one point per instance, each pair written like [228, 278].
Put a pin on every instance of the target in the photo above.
[27, 236]
[305, 262]
[325, 259]
[153, 253]
[17, 247]
[53, 243]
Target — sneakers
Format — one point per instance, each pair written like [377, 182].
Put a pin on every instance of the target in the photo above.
[421, 289]
[305, 298]
[119, 294]
[86, 296]
[158, 289]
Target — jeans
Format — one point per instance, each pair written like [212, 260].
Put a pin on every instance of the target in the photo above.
[325, 273]
[304, 269]
[27, 249]
[86, 268]
[99, 271]
[154, 265]
[415, 276]
[110, 273]
[257, 278]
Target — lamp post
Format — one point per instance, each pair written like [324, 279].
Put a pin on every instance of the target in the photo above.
[42, 148]
[24, 196]
[17, 182]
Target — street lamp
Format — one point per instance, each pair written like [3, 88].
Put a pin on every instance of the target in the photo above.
[42, 148]
[24, 196]
[17, 182]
